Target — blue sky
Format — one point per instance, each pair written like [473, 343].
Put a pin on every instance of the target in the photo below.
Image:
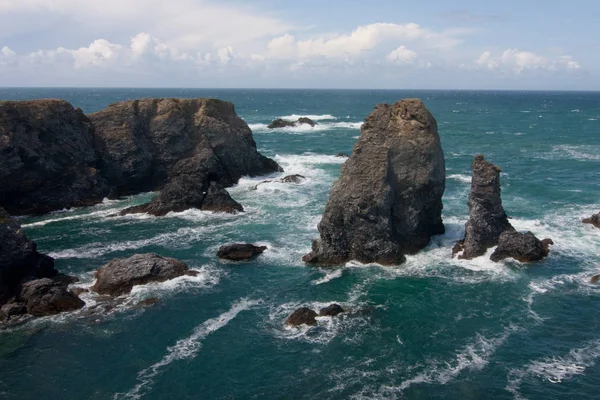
[309, 44]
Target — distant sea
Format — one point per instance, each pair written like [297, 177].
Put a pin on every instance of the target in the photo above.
[432, 328]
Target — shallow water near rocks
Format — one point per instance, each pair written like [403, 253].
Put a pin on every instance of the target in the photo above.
[432, 328]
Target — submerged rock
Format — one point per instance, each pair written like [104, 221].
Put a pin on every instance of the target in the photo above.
[49, 160]
[293, 179]
[48, 297]
[524, 247]
[487, 219]
[120, 275]
[593, 220]
[282, 123]
[148, 302]
[331, 311]
[388, 199]
[595, 279]
[240, 252]
[342, 155]
[302, 316]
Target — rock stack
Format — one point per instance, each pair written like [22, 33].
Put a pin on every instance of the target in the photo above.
[388, 199]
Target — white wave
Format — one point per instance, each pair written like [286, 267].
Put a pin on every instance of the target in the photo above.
[185, 348]
[581, 152]
[460, 177]
[474, 356]
[329, 276]
[556, 369]
[91, 216]
[305, 128]
[295, 117]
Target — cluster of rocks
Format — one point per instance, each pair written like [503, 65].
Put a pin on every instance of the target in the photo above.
[55, 157]
[307, 316]
[29, 283]
[488, 224]
[282, 123]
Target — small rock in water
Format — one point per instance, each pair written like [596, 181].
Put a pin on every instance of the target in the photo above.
[305, 120]
[523, 247]
[302, 316]
[595, 279]
[120, 275]
[47, 297]
[281, 123]
[331, 311]
[593, 220]
[240, 251]
[148, 302]
[293, 179]
[342, 155]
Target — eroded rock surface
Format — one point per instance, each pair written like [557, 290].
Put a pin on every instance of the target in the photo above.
[523, 247]
[119, 276]
[388, 199]
[240, 252]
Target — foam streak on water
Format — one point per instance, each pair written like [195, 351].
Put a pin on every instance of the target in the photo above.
[185, 348]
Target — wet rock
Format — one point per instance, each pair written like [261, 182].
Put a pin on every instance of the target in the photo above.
[217, 199]
[388, 199]
[302, 316]
[66, 279]
[47, 297]
[595, 279]
[593, 220]
[293, 179]
[307, 121]
[331, 311]
[19, 259]
[487, 219]
[148, 302]
[240, 252]
[281, 123]
[11, 310]
[49, 160]
[120, 275]
[192, 273]
[79, 291]
[342, 155]
[524, 247]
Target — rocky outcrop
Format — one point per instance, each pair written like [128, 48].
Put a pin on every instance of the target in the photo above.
[331, 310]
[19, 259]
[49, 160]
[593, 220]
[388, 199]
[487, 219]
[297, 179]
[523, 247]
[48, 297]
[302, 316]
[240, 252]
[147, 143]
[282, 123]
[119, 276]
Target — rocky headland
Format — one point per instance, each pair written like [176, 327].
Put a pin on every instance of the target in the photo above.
[388, 199]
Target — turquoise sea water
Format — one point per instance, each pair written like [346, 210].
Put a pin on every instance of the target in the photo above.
[432, 328]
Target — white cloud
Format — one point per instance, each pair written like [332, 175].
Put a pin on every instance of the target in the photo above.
[516, 61]
[402, 55]
[362, 40]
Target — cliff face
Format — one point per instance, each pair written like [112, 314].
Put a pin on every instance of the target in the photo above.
[142, 142]
[54, 157]
[48, 159]
[388, 200]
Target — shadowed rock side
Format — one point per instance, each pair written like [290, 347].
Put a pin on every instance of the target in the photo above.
[593, 220]
[48, 159]
[524, 247]
[487, 219]
[388, 199]
[120, 275]
[147, 142]
[28, 281]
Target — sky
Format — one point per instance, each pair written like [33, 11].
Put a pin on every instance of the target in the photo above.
[382, 44]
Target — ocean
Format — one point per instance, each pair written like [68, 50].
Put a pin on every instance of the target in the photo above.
[434, 327]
